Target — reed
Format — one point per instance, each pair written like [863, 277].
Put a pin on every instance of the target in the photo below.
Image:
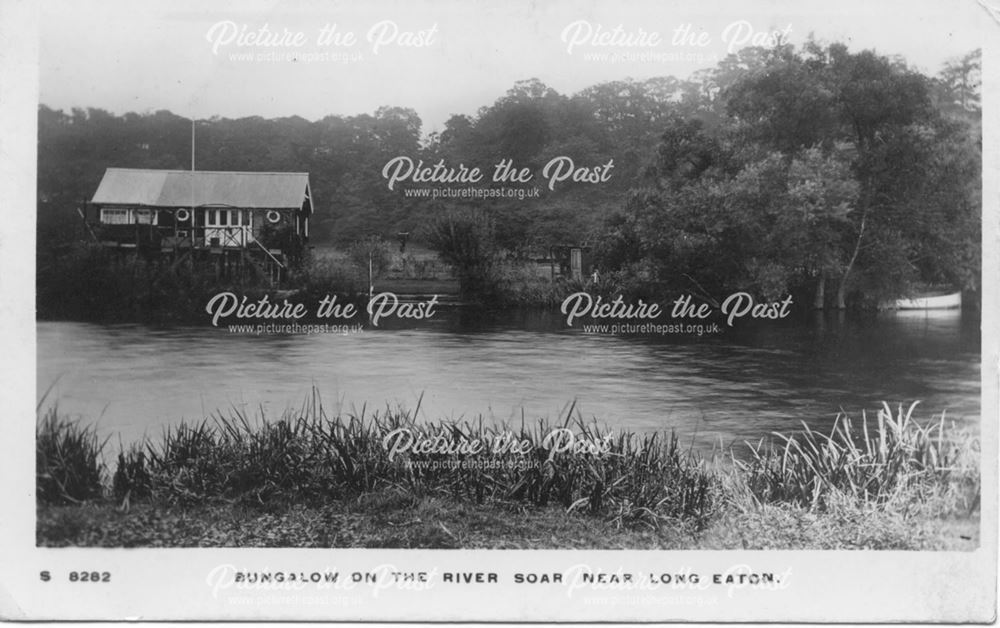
[68, 460]
[309, 456]
[891, 459]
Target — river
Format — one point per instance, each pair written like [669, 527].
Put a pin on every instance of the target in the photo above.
[724, 388]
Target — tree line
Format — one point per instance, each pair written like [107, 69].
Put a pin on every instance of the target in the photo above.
[841, 175]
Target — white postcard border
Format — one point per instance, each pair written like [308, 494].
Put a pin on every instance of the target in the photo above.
[856, 586]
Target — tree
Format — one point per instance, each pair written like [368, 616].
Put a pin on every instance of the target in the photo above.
[876, 108]
[828, 165]
[465, 240]
[821, 193]
[962, 79]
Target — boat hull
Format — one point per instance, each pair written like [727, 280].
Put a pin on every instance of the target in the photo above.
[949, 301]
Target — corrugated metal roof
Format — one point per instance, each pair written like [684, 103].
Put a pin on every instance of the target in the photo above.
[183, 188]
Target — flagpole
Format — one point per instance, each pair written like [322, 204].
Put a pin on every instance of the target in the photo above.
[192, 182]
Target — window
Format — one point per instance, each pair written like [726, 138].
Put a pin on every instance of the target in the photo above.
[114, 216]
[119, 216]
[222, 218]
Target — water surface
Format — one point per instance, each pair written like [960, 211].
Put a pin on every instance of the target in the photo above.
[731, 387]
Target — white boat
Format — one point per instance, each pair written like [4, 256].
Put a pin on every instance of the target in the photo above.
[931, 301]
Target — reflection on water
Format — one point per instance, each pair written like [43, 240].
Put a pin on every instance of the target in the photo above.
[735, 386]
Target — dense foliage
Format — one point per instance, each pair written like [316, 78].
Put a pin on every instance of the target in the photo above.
[833, 174]
[829, 168]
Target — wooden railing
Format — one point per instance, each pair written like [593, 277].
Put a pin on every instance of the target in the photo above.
[237, 236]
[269, 254]
[240, 236]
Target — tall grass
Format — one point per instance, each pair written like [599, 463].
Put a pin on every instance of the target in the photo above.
[306, 454]
[310, 455]
[68, 460]
[635, 480]
[321, 276]
[516, 283]
[891, 459]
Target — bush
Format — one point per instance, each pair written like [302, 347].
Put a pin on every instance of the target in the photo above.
[375, 249]
[320, 277]
[466, 240]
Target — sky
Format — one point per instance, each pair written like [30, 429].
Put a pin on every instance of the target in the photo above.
[199, 58]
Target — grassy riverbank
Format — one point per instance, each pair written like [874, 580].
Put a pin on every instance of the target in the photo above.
[386, 480]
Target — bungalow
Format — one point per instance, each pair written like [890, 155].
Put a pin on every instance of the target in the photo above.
[221, 212]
